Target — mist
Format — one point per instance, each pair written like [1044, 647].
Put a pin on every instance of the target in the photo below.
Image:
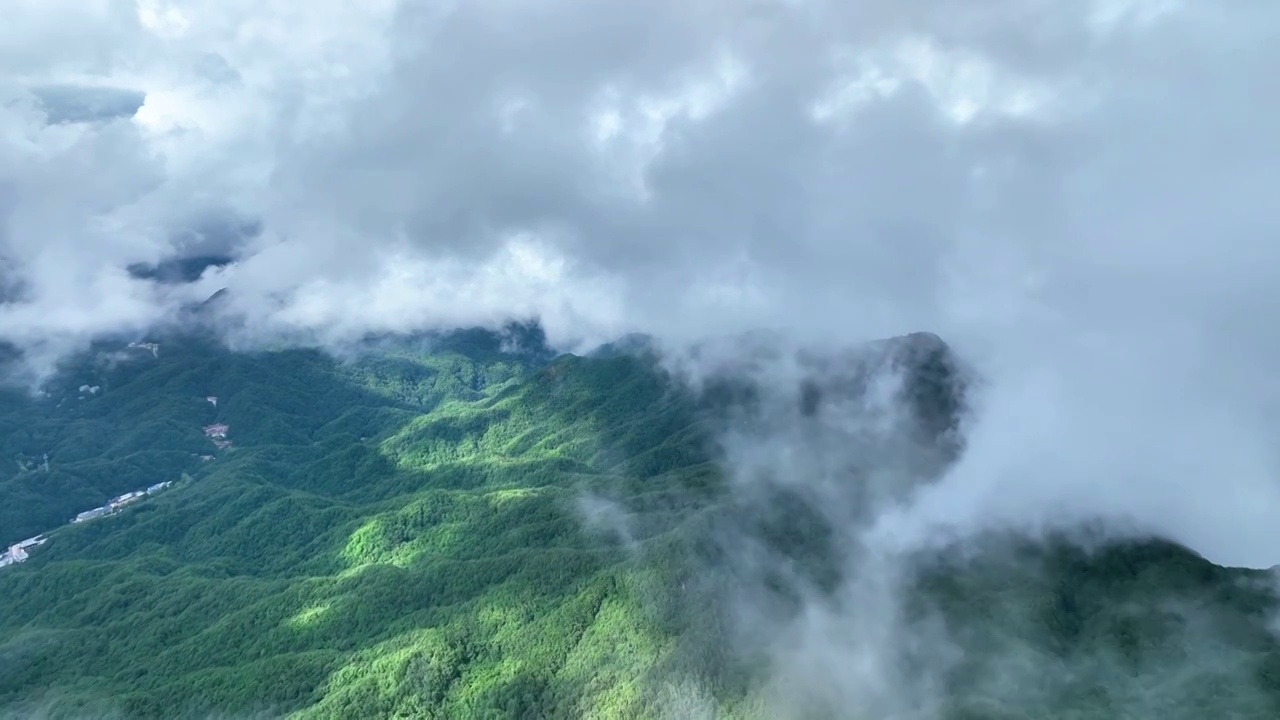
[1071, 197]
[1074, 196]
[864, 568]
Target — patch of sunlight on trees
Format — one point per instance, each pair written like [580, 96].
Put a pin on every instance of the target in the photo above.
[501, 499]
[504, 621]
[483, 678]
[612, 660]
[387, 676]
[444, 523]
[310, 617]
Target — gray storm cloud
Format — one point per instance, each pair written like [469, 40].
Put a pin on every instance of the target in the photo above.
[1073, 194]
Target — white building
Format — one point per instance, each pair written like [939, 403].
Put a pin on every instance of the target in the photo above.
[216, 431]
[128, 498]
[91, 514]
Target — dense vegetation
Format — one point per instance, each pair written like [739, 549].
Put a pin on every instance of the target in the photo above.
[408, 512]
[465, 527]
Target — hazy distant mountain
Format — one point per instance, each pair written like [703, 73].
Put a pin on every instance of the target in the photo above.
[180, 270]
[86, 103]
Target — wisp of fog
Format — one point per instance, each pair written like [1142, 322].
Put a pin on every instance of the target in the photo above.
[1074, 195]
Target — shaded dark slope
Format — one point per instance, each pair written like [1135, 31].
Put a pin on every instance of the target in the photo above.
[124, 417]
[1128, 628]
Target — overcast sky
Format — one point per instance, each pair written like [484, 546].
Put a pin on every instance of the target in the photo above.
[1077, 194]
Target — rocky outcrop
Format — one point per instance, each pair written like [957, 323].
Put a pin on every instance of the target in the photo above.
[915, 378]
[920, 372]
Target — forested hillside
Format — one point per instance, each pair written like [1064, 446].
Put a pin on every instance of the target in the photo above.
[464, 526]
[410, 510]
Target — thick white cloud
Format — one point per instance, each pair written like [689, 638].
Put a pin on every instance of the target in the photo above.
[1075, 194]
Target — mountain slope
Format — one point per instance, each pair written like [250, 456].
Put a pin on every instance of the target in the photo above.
[462, 526]
[360, 505]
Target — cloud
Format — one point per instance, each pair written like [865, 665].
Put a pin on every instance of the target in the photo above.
[1073, 194]
[859, 582]
[74, 103]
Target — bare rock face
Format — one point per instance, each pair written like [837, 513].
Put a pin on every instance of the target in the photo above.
[903, 398]
[916, 374]
[817, 444]
[934, 386]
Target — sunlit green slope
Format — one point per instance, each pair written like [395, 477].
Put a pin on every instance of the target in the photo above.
[410, 513]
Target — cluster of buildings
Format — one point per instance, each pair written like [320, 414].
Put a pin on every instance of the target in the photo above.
[92, 514]
[126, 499]
[152, 348]
[218, 434]
[117, 503]
[19, 552]
[31, 465]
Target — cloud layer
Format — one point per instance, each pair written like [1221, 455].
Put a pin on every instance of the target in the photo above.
[1074, 194]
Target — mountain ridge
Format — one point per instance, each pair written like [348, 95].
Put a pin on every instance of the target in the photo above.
[464, 526]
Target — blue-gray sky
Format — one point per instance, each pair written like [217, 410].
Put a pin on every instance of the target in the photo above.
[1075, 193]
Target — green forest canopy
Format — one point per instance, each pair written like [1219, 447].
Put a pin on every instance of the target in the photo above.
[401, 534]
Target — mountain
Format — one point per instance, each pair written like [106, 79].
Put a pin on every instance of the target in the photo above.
[86, 103]
[463, 525]
[179, 270]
